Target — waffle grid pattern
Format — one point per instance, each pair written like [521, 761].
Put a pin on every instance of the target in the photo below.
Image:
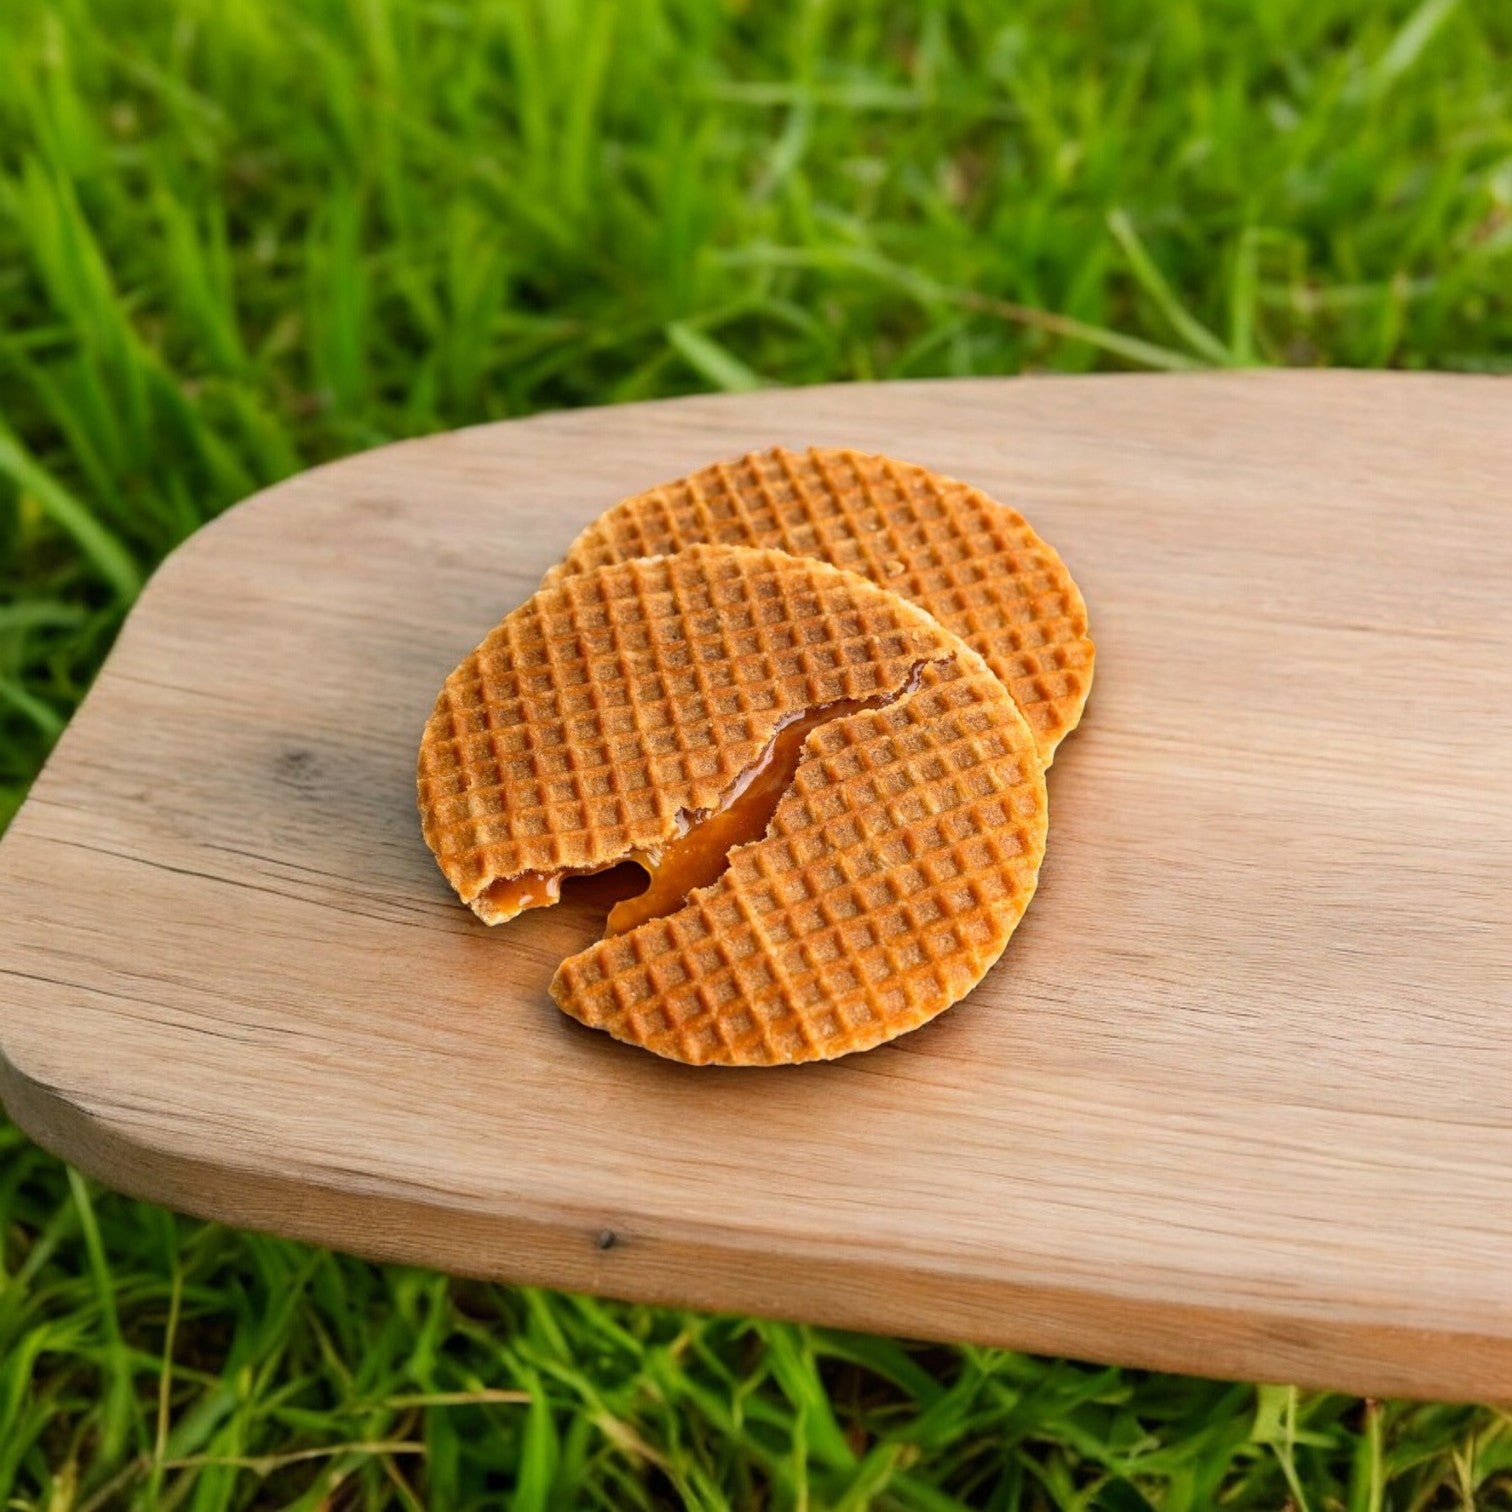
[893, 872]
[601, 713]
[975, 564]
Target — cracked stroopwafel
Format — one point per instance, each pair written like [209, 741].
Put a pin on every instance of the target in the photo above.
[975, 564]
[893, 872]
[616, 704]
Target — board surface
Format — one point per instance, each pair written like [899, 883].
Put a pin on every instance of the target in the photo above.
[1236, 1101]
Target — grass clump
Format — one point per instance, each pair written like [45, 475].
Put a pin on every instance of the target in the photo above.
[238, 237]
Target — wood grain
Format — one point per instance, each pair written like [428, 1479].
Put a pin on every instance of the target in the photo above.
[1238, 1099]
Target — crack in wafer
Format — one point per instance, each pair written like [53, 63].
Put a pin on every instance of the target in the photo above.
[699, 853]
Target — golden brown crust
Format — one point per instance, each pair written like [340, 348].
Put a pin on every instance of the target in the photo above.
[975, 564]
[617, 701]
[892, 874]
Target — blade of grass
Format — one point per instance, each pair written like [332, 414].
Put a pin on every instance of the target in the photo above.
[121, 1415]
[1131, 348]
[713, 361]
[44, 716]
[1409, 44]
[1154, 283]
[108, 555]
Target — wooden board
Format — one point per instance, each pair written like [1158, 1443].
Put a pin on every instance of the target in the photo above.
[1238, 1099]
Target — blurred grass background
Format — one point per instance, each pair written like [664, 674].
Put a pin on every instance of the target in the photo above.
[241, 236]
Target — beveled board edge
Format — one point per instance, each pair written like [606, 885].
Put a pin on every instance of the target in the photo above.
[730, 1271]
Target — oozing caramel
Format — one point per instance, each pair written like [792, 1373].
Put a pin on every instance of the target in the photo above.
[701, 855]
[513, 895]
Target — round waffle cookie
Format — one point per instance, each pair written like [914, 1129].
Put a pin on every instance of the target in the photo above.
[627, 711]
[893, 872]
[975, 564]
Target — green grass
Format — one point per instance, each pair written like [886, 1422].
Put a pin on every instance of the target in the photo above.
[241, 236]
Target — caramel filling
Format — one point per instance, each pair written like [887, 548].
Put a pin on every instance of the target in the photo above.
[701, 853]
[513, 895]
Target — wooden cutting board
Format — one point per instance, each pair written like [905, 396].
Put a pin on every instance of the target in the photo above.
[1236, 1101]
